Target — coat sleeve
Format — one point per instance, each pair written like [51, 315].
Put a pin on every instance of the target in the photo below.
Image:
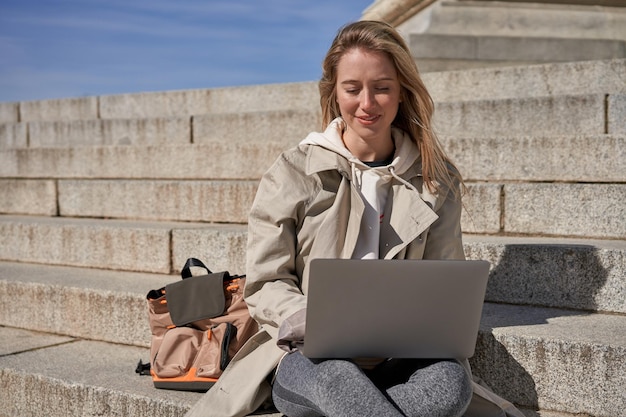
[273, 287]
[444, 240]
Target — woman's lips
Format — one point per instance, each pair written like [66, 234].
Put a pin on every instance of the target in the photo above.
[368, 120]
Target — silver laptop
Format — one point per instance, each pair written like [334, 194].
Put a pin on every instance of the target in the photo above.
[394, 308]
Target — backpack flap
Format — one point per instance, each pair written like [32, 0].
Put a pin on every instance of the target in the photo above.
[196, 298]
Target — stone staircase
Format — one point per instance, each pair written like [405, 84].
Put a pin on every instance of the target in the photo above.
[459, 34]
[104, 198]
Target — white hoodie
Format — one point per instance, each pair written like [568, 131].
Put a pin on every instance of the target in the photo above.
[372, 183]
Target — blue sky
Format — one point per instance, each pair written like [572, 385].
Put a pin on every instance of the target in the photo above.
[74, 48]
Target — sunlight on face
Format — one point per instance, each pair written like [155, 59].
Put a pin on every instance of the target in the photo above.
[368, 94]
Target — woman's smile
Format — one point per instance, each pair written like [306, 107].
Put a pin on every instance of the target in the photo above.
[368, 120]
[368, 94]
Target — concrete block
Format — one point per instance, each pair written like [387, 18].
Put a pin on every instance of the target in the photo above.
[482, 208]
[542, 116]
[543, 413]
[220, 247]
[554, 79]
[17, 340]
[119, 297]
[215, 160]
[616, 122]
[106, 244]
[37, 197]
[525, 354]
[554, 359]
[487, 49]
[85, 378]
[206, 201]
[266, 97]
[221, 100]
[9, 113]
[155, 105]
[526, 48]
[579, 274]
[425, 46]
[434, 51]
[586, 210]
[13, 135]
[287, 126]
[64, 313]
[59, 109]
[542, 158]
[563, 20]
[110, 132]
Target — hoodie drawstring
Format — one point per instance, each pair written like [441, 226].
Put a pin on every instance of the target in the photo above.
[428, 197]
[392, 171]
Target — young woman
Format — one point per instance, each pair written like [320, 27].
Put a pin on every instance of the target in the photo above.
[374, 184]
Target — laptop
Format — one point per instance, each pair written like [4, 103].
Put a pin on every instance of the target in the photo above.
[394, 308]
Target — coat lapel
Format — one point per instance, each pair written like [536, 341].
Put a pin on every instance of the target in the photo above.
[410, 218]
[344, 217]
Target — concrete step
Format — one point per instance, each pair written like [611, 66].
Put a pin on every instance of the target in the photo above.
[13, 135]
[582, 210]
[591, 114]
[286, 126]
[56, 376]
[215, 201]
[535, 116]
[556, 79]
[576, 78]
[465, 34]
[197, 201]
[599, 158]
[160, 247]
[283, 126]
[571, 274]
[580, 274]
[438, 52]
[9, 112]
[519, 18]
[554, 359]
[218, 160]
[182, 103]
[532, 209]
[108, 132]
[118, 297]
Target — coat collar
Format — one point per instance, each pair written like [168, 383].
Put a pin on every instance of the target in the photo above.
[412, 214]
[319, 159]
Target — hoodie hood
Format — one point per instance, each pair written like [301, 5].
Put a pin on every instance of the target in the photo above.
[405, 155]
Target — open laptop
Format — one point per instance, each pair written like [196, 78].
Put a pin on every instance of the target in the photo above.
[394, 308]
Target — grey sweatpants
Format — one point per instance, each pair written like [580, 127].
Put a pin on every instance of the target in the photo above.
[398, 387]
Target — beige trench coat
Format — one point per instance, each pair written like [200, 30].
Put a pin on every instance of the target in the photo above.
[306, 208]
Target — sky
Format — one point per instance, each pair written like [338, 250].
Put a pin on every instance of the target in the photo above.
[75, 48]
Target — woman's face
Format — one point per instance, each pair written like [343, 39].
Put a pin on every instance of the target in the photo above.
[368, 95]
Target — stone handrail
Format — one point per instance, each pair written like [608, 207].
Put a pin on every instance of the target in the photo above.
[394, 12]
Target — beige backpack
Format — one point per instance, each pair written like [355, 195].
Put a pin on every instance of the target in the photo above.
[197, 325]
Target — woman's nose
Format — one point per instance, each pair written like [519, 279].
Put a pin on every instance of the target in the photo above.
[368, 101]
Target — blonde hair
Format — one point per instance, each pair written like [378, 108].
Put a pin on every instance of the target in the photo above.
[416, 107]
